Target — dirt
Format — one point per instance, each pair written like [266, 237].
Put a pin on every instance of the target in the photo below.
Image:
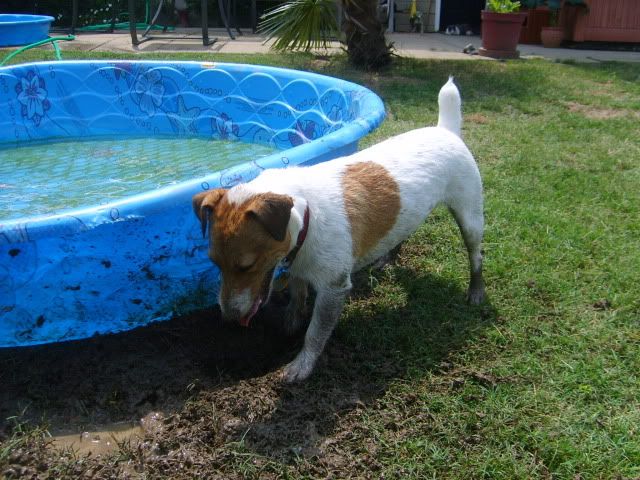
[595, 113]
[194, 397]
[477, 118]
[177, 400]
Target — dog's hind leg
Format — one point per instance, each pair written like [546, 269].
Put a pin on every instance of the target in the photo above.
[326, 311]
[470, 220]
[388, 258]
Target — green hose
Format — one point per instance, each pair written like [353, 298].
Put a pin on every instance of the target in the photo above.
[121, 26]
[52, 40]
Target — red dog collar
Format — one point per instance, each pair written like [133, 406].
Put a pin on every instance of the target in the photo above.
[288, 260]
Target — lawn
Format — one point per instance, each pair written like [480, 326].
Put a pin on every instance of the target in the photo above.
[540, 382]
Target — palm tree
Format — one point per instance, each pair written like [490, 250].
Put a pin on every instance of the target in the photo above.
[367, 46]
[310, 24]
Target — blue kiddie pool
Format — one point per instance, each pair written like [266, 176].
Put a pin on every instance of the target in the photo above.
[23, 29]
[98, 165]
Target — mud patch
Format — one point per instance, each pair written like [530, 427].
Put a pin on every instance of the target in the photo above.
[179, 397]
[195, 398]
[595, 113]
[320, 63]
[96, 443]
[85, 385]
[477, 118]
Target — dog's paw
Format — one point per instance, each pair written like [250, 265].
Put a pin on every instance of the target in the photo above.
[298, 370]
[475, 296]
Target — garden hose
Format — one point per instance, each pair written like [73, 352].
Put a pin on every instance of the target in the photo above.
[53, 40]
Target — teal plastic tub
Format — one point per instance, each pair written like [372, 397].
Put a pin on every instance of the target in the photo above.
[18, 29]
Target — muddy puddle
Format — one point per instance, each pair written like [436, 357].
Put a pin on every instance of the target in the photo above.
[98, 442]
[107, 439]
[114, 385]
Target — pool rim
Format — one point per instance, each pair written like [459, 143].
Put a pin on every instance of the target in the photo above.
[139, 205]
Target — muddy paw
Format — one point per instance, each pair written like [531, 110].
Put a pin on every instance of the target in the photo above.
[475, 296]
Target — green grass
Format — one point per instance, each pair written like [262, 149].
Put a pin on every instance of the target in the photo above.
[542, 382]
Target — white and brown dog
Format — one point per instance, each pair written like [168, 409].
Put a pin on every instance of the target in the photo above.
[331, 219]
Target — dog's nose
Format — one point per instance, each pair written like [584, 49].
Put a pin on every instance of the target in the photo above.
[229, 313]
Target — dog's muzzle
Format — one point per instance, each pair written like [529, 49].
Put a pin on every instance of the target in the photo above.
[243, 316]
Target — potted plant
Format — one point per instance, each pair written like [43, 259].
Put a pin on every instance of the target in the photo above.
[501, 24]
[537, 17]
[553, 35]
[572, 17]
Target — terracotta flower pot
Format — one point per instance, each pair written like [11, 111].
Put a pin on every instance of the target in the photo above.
[536, 19]
[552, 37]
[500, 33]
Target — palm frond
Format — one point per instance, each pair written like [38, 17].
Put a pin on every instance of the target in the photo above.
[300, 24]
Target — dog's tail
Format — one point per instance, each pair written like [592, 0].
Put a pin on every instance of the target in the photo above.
[449, 103]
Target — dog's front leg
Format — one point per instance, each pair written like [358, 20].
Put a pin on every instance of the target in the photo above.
[326, 311]
[296, 313]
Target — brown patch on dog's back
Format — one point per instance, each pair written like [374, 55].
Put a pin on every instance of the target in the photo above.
[372, 201]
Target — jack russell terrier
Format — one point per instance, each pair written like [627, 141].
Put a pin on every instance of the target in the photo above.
[329, 220]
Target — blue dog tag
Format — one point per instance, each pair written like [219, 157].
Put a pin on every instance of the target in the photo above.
[281, 279]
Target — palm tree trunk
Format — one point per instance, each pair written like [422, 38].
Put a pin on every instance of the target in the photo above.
[367, 46]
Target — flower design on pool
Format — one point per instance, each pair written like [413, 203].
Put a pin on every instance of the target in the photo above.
[148, 91]
[225, 126]
[354, 104]
[32, 96]
[122, 69]
[335, 113]
[304, 133]
[183, 120]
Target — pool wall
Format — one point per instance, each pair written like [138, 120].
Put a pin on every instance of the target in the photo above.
[120, 265]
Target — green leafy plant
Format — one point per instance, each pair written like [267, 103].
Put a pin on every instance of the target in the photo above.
[552, 4]
[503, 6]
[555, 6]
[300, 24]
[311, 24]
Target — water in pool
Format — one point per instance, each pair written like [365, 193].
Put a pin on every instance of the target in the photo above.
[46, 178]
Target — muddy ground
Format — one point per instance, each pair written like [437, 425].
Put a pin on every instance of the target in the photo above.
[206, 392]
[195, 397]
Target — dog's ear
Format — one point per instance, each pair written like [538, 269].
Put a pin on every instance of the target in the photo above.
[273, 212]
[204, 203]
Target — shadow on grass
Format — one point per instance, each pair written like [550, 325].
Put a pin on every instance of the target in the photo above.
[121, 377]
[484, 85]
[607, 71]
[376, 346]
